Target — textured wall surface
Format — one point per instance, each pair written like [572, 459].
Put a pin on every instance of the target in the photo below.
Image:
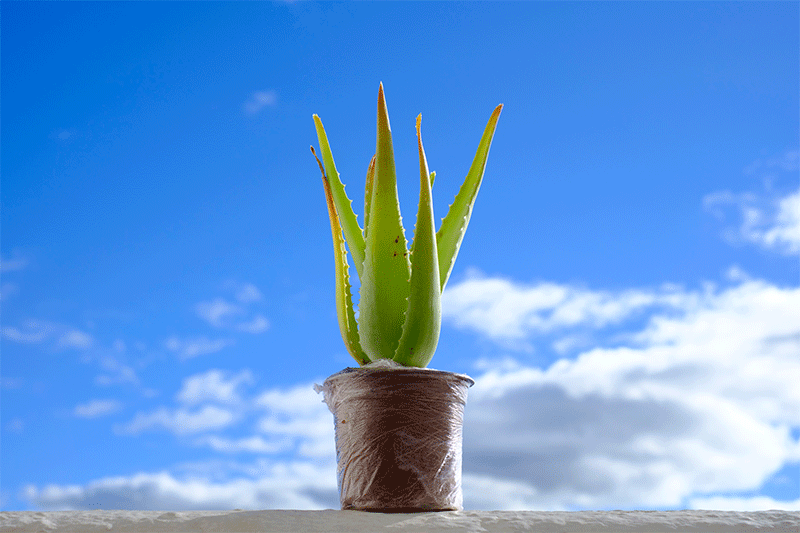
[317, 521]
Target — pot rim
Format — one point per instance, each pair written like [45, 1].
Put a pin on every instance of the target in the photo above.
[401, 370]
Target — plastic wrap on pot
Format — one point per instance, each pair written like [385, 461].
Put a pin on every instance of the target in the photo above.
[398, 437]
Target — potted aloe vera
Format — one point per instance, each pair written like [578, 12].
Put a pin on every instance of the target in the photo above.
[398, 424]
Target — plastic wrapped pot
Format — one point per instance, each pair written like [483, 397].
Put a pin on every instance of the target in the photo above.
[398, 437]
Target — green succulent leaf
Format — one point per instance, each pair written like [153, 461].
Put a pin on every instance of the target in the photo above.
[344, 206]
[455, 223]
[368, 194]
[424, 316]
[344, 300]
[386, 270]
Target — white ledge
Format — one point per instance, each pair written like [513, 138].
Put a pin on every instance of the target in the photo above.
[334, 521]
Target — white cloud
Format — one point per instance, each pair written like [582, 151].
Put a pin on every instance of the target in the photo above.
[700, 401]
[75, 339]
[298, 413]
[784, 232]
[254, 444]
[773, 224]
[258, 325]
[180, 421]
[32, 332]
[787, 162]
[503, 310]
[116, 372]
[259, 100]
[186, 349]
[299, 485]
[97, 408]
[15, 425]
[37, 332]
[217, 311]
[755, 503]
[221, 313]
[488, 492]
[248, 293]
[214, 385]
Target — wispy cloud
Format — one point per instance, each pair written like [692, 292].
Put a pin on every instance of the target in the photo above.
[32, 332]
[214, 385]
[254, 444]
[115, 371]
[189, 348]
[97, 408]
[75, 339]
[259, 100]
[247, 293]
[221, 313]
[771, 223]
[259, 324]
[38, 332]
[217, 312]
[767, 219]
[180, 421]
[16, 263]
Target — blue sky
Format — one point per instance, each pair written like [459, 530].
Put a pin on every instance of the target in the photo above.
[626, 296]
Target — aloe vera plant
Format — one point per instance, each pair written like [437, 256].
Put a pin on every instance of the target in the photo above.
[399, 310]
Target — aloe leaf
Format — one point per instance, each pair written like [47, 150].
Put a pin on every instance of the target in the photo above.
[368, 194]
[385, 275]
[344, 206]
[344, 299]
[424, 316]
[455, 223]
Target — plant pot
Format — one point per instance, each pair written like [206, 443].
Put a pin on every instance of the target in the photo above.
[398, 437]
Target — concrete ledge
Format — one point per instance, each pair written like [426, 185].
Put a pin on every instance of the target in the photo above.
[335, 521]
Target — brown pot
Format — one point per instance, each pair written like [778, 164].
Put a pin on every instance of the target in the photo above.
[398, 437]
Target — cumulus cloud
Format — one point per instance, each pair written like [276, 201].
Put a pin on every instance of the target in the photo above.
[701, 400]
[697, 399]
[770, 219]
[189, 348]
[300, 485]
[771, 223]
[298, 414]
[503, 310]
[259, 100]
[97, 408]
[756, 503]
[290, 421]
[784, 233]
